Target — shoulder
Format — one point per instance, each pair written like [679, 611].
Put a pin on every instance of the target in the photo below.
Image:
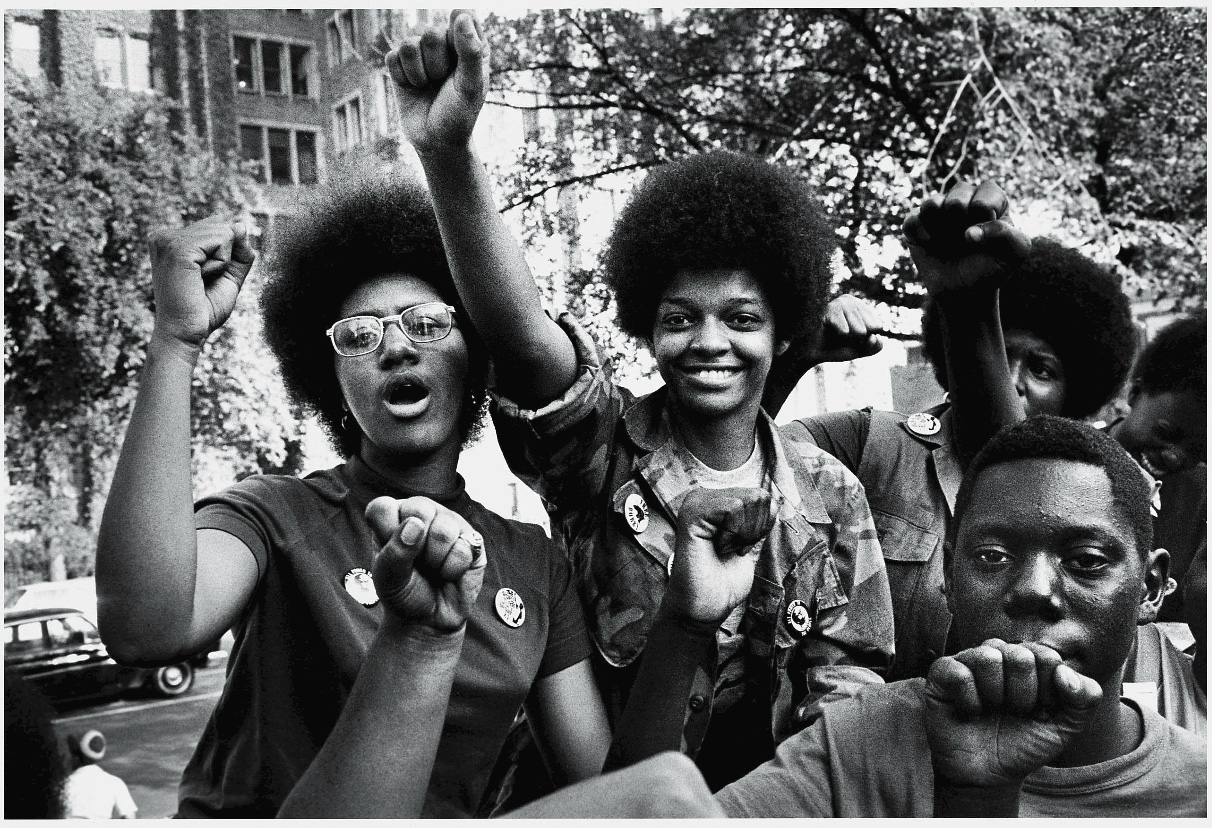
[1181, 747]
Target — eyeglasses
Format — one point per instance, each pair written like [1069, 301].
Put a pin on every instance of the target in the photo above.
[359, 335]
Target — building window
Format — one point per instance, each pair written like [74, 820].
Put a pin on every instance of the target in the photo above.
[284, 155]
[271, 64]
[138, 63]
[348, 123]
[109, 58]
[385, 23]
[342, 37]
[123, 60]
[25, 47]
[300, 70]
[261, 66]
[389, 106]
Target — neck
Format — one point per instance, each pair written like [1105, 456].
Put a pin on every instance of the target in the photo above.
[723, 444]
[1115, 730]
[432, 474]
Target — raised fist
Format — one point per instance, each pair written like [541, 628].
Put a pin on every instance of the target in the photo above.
[997, 712]
[432, 561]
[197, 272]
[962, 240]
[717, 530]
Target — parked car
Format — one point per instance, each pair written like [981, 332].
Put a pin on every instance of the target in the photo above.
[60, 652]
[81, 594]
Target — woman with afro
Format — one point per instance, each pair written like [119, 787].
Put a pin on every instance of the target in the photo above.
[1013, 327]
[718, 263]
[375, 585]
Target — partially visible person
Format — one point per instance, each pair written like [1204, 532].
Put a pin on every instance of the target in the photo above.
[1176, 682]
[35, 769]
[1050, 567]
[719, 262]
[1035, 316]
[363, 318]
[1166, 431]
[91, 791]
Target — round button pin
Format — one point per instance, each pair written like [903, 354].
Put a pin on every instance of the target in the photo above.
[923, 424]
[510, 607]
[635, 510]
[361, 586]
[798, 618]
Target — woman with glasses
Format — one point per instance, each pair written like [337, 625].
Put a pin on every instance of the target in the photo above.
[370, 567]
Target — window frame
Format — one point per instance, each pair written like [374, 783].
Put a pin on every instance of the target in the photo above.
[285, 66]
[339, 50]
[263, 127]
[340, 136]
[9, 46]
[123, 36]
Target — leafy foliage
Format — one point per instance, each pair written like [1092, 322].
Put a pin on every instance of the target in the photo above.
[86, 179]
[1093, 119]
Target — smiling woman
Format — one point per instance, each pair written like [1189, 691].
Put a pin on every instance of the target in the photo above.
[717, 262]
[381, 567]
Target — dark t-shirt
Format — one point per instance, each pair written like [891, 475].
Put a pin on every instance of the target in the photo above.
[305, 635]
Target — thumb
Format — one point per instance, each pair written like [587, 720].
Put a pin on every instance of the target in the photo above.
[1000, 239]
[1077, 696]
[383, 515]
[470, 75]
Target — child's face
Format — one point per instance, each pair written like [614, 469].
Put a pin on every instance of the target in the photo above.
[1165, 432]
[1036, 371]
[1043, 555]
[713, 339]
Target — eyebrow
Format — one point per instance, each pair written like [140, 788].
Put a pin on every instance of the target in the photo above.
[731, 301]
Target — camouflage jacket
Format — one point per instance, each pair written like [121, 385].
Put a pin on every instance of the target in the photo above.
[598, 452]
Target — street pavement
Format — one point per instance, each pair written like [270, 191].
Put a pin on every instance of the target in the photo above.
[149, 740]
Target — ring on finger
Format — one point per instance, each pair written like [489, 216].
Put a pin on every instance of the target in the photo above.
[473, 538]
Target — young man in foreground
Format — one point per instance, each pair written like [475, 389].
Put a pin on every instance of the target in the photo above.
[1049, 569]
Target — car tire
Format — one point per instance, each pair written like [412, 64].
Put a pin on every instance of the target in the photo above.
[173, 680]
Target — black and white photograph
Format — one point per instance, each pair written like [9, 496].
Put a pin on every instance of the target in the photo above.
[605, 413]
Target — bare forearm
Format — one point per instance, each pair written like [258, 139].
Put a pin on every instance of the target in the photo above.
[983, 396]
[656, 710]
[147, 549]
[378, 759]
[535, 360]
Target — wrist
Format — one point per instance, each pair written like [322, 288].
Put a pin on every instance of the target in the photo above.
[673, 614]
[165, 344]
[421, 638]
[442, 153]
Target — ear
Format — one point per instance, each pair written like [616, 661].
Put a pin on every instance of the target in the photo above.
[1155, 587]
[781, 347]
[948, 559]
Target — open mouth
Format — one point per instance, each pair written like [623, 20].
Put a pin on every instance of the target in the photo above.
[1155, 469]
[405, 396]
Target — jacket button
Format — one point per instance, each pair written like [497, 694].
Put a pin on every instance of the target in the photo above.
[697, 702]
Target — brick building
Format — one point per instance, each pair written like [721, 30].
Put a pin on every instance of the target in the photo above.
[297, 90]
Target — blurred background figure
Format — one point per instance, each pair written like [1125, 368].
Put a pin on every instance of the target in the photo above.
[92, 792]
[34, 770]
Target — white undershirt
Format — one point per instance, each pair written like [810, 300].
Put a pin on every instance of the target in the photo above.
[748, 475]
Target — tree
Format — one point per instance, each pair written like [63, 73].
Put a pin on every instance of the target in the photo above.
[1093, 119]
[86, 179]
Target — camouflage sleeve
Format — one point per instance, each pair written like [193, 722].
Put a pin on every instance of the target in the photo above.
[562, 449]
[853, 645]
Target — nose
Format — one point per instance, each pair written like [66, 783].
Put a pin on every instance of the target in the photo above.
[1018, 375]
[396, 346]
[711, 337]
[1036, 589]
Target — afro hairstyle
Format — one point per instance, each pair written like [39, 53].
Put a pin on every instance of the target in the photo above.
[723, 210]
[1073, 304]
[1176, 359]
[1058, 438]
[360, 226]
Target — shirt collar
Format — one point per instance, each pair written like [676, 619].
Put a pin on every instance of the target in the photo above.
[367, 484]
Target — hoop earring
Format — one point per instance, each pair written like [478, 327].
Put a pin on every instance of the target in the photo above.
[347, 422]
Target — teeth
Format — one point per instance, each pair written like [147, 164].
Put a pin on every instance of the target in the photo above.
[714, 373]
